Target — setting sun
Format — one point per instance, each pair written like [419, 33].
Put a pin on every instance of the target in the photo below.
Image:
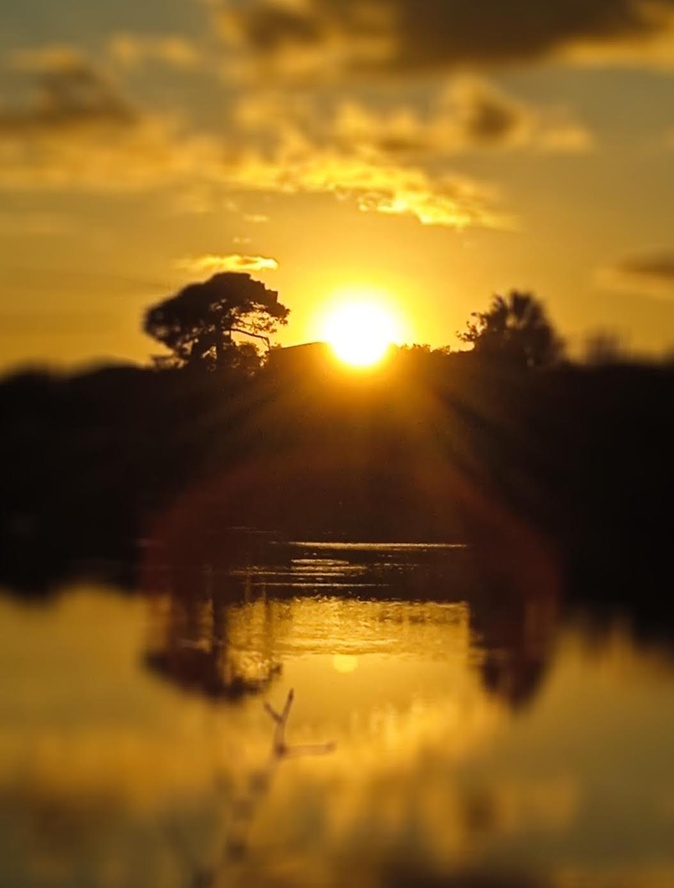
[360, 330]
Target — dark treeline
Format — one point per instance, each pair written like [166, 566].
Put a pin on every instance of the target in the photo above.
[560, 471]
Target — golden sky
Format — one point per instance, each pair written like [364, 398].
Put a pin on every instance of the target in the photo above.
[439, 152]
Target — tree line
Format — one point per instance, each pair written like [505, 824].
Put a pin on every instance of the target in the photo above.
[198, 327]
[507, 444]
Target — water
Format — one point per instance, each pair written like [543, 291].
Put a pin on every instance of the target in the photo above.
[440, 732]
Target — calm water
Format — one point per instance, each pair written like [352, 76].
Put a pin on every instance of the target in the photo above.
[437, 729]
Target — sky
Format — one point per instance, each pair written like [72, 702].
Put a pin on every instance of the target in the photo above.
[434, 152]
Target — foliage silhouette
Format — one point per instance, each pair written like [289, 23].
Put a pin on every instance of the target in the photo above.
[436, 446]
[198, 324]
[515, 329]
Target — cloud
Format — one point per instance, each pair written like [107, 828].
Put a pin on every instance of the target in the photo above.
[652, 273]
[386, 161]
[470, 114]
[374, 183]
[211, 264]
[134, 50]
[486, 116]
[77, 131]
[69, 94]
[352, 36]
[466, 114]
[154, 153]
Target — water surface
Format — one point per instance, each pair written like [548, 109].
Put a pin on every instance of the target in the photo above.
[438, 728]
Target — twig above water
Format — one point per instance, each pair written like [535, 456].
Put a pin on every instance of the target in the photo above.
[245, 808]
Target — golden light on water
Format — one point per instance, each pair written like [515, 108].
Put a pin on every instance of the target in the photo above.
[360, 327]
[416, 746]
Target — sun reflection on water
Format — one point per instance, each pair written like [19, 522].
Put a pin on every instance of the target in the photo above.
[444, 751]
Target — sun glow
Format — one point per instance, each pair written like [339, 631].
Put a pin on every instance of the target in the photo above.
[360, 329]
[344, 663]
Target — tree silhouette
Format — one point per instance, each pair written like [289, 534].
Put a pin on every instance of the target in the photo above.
[199, 323]
[516, 329]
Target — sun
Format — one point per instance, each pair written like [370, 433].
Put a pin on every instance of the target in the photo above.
[360, 329]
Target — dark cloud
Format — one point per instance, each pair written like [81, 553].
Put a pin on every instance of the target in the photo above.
[659, 266]
[70, 126]
[68, 93]
[267, 27]
[651, 272]
[490, 119]
[407, 35]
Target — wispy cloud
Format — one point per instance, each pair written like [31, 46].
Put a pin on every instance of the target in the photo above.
[69, 93]
[469, 114]
[77, 130]
[374, 183]
[649, 272]
[212, 263]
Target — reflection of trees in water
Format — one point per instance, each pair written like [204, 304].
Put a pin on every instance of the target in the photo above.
[517, 637]
[221, 636]
[217, 631]
[204, 643]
